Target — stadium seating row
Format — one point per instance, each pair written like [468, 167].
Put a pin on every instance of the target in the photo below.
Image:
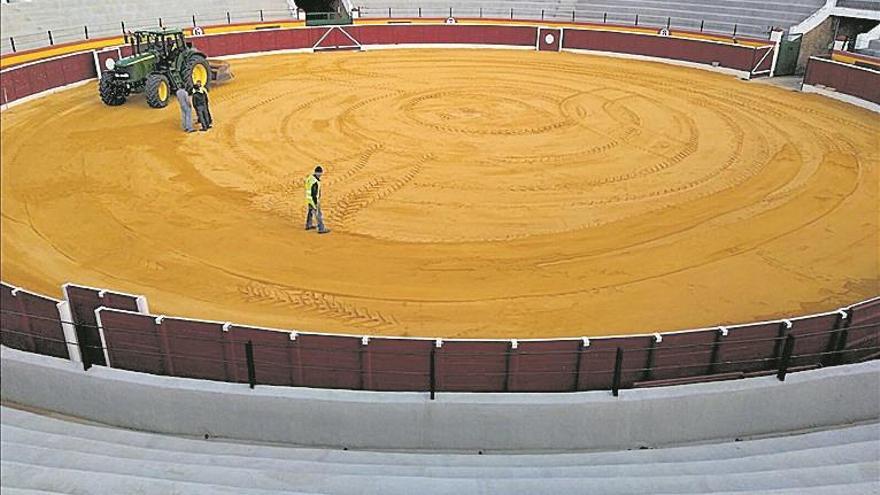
[750, 18]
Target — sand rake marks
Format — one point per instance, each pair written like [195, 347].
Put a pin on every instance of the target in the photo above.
[319, 303]
[343, 211]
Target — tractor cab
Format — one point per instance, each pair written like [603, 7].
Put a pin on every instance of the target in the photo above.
[165, 43]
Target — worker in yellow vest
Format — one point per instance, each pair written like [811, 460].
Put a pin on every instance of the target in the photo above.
[313, 199]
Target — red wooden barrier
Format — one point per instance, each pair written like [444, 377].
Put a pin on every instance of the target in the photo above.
[849, 79]
[133, 343]
[546, 366]
[704, 52]
[812, 339]
[549, 39]
[83, 303]
[29, 79]
[472, 366]
[683, 355]
[750, 348]
[30, 322]
[398, 364]
[25, 80]
[216, 351]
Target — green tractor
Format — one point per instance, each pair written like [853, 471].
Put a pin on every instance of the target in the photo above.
[162, 61]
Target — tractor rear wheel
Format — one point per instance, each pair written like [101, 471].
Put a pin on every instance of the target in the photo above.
[198, 69]
[112, 93]
[157, 90]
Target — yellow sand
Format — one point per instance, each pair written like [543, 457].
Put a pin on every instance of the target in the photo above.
[471, 193]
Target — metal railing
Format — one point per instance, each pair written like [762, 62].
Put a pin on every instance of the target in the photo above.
[52, 37]
[592, 16]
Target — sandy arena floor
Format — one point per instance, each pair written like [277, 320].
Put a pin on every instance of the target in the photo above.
[471, 194]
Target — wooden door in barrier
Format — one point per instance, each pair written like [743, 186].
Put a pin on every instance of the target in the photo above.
[549, 39]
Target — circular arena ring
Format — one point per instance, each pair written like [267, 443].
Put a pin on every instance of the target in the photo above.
[471, 194]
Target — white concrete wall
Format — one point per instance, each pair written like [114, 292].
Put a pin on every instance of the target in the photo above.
[502, 422]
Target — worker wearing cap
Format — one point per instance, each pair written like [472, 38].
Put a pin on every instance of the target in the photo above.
[313, 199]
[200, 102]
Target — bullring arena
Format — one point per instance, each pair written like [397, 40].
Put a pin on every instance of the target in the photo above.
[471, 194]
[629, 253]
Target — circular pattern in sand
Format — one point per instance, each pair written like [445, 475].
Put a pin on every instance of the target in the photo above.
[471, 194]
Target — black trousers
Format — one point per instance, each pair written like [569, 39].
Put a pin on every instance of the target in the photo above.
[204, 116]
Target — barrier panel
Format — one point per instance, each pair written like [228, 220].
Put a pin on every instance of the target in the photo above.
[83, 303]
[30, 322]
[257, 41]
[131, 342]
[738, 57]
[398, 365]
[29, 79]
[684, 355]
[472, 366]
[444, 34]
[330, 361]
[130, 339]
[866, 312]
[598, 363]
[862, 332]
[812, 338]
[750, 348]
[849, 79]
[276, 356]
[550, 366]
[549, 39]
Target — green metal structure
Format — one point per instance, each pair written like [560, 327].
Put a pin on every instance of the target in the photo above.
[327, 18]
[789, 50]
[162, 61]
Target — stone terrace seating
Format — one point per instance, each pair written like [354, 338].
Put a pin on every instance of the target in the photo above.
[860, 4]
[751, 17]
[28, 22]
[43, 454]
[523, 9]
[754, 18]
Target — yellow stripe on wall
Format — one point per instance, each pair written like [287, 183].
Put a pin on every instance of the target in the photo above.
[49, 52]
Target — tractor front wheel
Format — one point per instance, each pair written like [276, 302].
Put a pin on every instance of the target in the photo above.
[157, 90]
[112, 93]
[197, 69]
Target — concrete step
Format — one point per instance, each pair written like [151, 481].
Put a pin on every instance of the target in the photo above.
[65, 431]
[25, 491]
[102, 481]
[46, 454]
[26, 443]
[161, 460]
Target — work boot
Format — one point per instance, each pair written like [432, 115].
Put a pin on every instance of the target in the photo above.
[324, 231]
[310, 227]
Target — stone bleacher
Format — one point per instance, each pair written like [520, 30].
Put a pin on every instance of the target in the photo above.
[859, 4]
[751, 17]
[50, 455]
[29, 21]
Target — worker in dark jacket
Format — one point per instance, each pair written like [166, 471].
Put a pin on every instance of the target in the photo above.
[313, 199]
[200, 101]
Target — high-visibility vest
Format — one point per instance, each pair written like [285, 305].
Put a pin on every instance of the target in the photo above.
[311, 181]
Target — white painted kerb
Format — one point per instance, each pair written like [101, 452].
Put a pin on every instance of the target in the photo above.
[455, 421]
